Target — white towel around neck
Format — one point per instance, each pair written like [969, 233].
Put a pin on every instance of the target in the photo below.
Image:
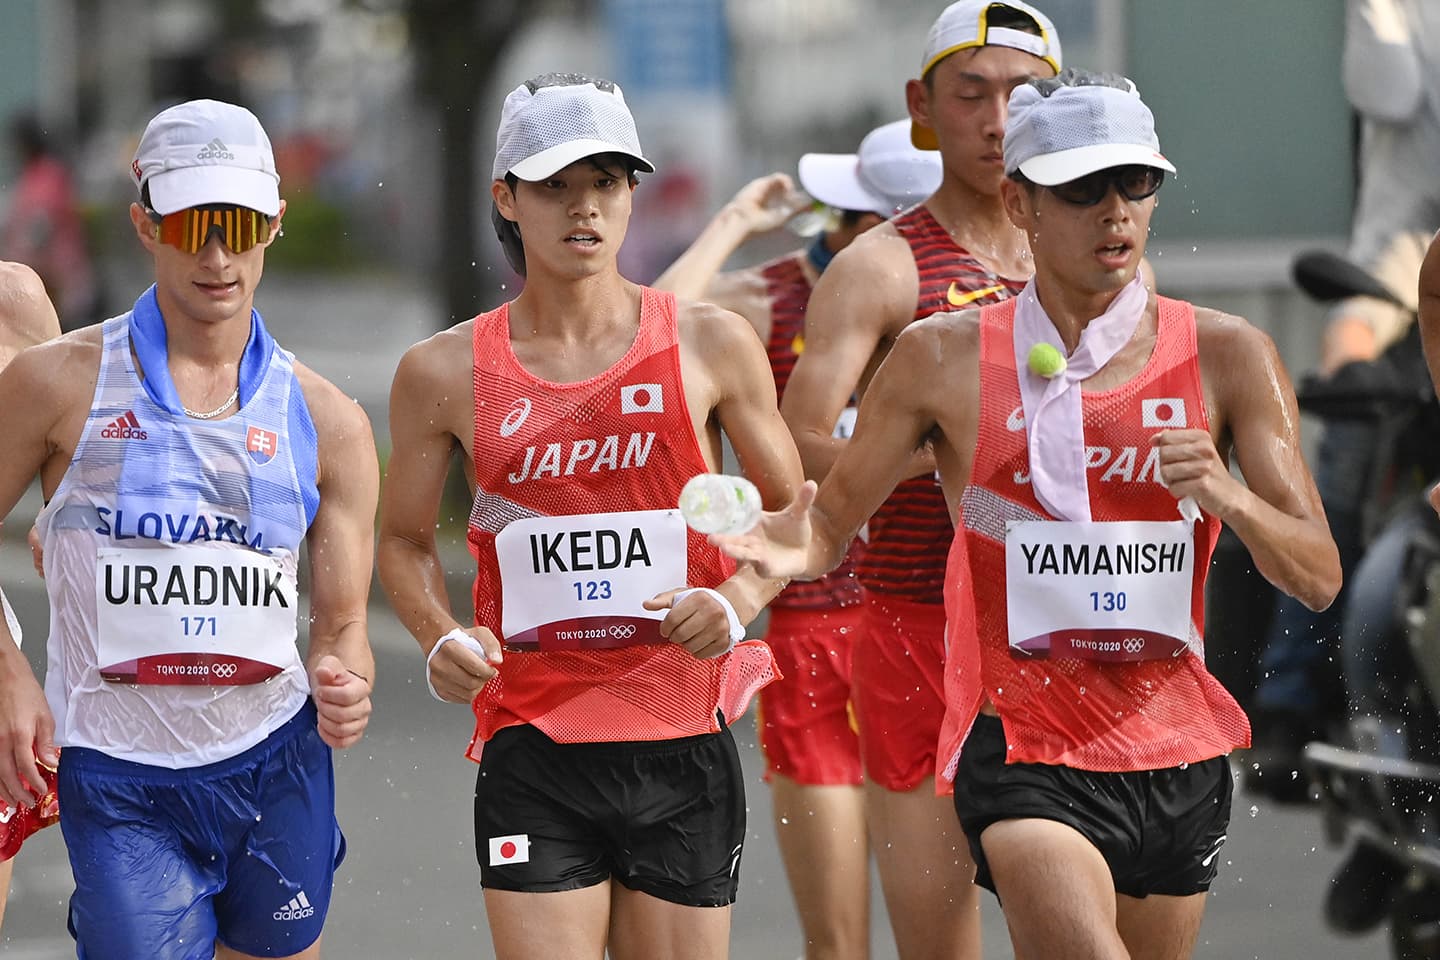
[1054, 415]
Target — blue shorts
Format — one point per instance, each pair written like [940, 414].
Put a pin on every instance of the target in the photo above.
[167, 862]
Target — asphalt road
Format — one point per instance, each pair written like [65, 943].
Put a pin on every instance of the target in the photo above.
[410, 886]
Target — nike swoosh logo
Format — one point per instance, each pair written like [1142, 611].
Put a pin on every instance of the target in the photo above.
[1206, 861]
[958, 297]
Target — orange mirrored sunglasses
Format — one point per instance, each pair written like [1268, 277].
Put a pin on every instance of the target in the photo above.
[189, 230]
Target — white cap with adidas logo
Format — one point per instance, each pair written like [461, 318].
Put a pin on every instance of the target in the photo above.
[207, 151]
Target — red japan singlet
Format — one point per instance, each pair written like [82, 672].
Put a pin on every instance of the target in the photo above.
[910, 534]
[576, 486]
[1084, 713]
[789, 291]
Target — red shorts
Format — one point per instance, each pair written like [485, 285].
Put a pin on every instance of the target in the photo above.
[804, 719]
[899, 692]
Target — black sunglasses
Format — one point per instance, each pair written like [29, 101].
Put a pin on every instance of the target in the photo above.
[1133, 183]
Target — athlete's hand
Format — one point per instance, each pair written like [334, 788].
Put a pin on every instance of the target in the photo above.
[37, 551]
[767, 202]
[697, 622]
[1190, 466]
[342, 701]
[1435, 497]
[458, 672]
[27, 731]
[779, 545]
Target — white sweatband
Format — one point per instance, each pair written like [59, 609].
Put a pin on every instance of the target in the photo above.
[737, 629]
[10, 619]
[460, 637]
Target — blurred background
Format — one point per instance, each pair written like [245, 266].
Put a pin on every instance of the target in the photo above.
[382, 114]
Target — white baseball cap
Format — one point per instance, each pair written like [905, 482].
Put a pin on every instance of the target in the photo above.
[886, 175]
[1060, 129]
[205, 151]
[965, 24]
[556, 119]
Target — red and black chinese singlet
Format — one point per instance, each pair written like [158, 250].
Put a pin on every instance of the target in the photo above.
[789, 289]
[910, 534]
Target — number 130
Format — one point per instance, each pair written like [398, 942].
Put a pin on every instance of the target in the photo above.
[1108, 602]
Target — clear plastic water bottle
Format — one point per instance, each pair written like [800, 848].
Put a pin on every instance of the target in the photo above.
[720, 503]
[818, 218]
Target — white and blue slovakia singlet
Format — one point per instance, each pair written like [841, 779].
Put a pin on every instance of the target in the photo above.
[170, 557]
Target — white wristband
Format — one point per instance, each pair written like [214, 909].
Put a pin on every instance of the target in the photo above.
[10, 620]
[737, 629]
[460, 637]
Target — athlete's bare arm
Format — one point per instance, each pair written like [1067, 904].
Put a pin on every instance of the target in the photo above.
[341, 541]
[431, 417]
[26, 318]
[926, 390]
[726, 372]
[1430, 310]
[1276, 512]
[761, 205]
[47, 391]
[862, 301]
[1430, 326]
[26, 315]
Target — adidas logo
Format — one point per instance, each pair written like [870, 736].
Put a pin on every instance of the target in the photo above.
[124, 428]
[215, 150]
[297, 909]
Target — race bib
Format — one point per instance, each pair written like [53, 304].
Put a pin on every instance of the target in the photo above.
[194, 615]
[1110, 591]
[578, 582]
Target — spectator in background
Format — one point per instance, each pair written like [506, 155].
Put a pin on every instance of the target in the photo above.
[43, 228]
[1390, 63]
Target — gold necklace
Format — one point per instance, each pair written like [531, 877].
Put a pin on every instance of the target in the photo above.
[212, 414]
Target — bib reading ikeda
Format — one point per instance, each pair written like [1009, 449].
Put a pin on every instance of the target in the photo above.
[1099, 590]
[579, 582]
[194, 615]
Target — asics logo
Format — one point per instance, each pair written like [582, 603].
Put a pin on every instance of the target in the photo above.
[516, 417]
[215, 150]
[623, 631]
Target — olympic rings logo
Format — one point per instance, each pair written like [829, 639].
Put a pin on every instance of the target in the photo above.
[1134, 644]
[224, 670]
[623, 631]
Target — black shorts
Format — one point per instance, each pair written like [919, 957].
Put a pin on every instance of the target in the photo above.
[1160, 831]
[664, 817]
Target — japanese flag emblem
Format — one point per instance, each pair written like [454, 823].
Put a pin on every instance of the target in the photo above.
[1164, 412]
[261, 444]
[642, 398]
[512, 849]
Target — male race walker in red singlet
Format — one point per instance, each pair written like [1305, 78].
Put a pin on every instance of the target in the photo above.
[609, 808]
[955, 250]
[806, 721]
[1091, 482]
